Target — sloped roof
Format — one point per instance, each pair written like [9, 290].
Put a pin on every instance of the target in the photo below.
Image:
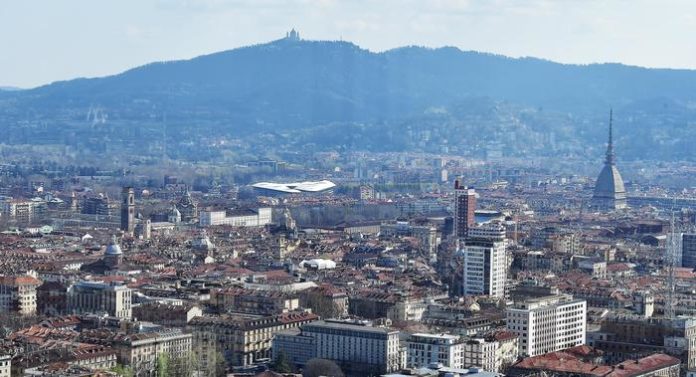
[609, 183]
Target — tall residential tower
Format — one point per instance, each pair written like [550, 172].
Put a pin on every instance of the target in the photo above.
[464, 209]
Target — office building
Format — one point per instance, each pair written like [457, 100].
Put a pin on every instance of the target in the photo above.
[548, 324]
[688, 250]
[99, 297]
[357, 348]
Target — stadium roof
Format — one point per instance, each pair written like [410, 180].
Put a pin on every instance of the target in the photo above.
[296, 188]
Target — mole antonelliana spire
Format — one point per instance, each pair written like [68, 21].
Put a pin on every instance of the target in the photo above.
[609, 192]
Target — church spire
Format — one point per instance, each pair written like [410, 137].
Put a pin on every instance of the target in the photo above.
[610, 147]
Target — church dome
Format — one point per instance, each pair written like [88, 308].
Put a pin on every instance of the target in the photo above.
[202, 242]
[186, 200]
[114, 248]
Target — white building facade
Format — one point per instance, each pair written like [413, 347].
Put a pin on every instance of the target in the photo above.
[484, 261]
[548, 324]
[428, 349]
[250, 218]
[5, 365]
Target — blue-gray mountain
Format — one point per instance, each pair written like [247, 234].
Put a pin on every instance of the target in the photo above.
[315, 88]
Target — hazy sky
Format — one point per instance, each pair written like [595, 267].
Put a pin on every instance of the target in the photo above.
[49, 40]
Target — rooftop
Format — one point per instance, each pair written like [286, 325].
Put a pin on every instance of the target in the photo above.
[297, 187]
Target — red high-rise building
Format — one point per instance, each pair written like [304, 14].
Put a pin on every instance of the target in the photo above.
[464, 208]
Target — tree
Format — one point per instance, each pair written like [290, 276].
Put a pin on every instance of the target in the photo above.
[281, 364]
[162, 365]
[183, 366]
[122, 371]
[321, 367]
[220, 365]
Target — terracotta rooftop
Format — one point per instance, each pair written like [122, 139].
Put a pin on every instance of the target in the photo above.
[571, 361]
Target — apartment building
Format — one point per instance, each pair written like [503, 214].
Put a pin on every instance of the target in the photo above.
[491, 353]
[428, 349]
[253, 301]
[18, 294]
[243, 339]
[141, 349]
[5, 365]
[484, 259]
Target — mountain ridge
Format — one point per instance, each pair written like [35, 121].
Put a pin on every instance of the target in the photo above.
[293, 85]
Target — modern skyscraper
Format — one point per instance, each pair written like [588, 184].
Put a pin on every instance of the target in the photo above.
[609, 192]
[128, 210]
[464, 208]
[484, 261]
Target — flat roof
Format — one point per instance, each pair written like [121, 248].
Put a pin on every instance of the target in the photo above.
[340, 325]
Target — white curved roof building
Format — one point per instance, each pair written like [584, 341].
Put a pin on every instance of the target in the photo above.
[295, 188]
[318, 264]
